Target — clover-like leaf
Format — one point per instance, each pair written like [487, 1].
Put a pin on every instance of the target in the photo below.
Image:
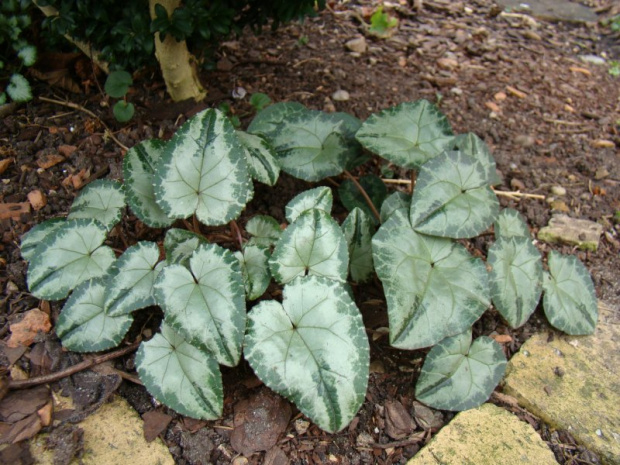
[83, 324]
[203, 171]
[102, 200]
[181, 375]
[452, 197]
[569, 300]
[434, 287]
[395, 201]
[313, 245]
[206, 303]
[319, 197]
[312, 348]
[28, 55]
[408, 134]
[267, 122]
[134, 273]
[68, 256]
[117, 83]
[475, 147]
[180, 244]
[33, 238]
[515, 278]
[265, 230]
[260, 156]
[139, 174]
[458, 375]
[510, 223]
[19, 88]
[358, 229]
[254, 261]
[351, 197]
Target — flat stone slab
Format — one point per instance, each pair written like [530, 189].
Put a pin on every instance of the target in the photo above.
[573, 383]
[563, 229]
[553, 10]
[113, 435]
[485, 436]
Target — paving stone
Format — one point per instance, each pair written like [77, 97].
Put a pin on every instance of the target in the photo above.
[573, 383]
[563, 229]
[473, 438]
[113, 435]
[553, 10]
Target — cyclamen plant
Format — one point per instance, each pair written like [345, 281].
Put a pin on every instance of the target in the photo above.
[311, 347]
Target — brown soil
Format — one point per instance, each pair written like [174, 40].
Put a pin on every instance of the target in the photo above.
[549, 118]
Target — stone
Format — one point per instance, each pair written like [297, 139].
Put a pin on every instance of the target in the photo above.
[584, 399]
[562, 229]
[554, 10]
[525, 140]
[472, 438]
[558, 190]
[357, 45]
[340, 96]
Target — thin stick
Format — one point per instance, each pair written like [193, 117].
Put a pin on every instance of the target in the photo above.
[364, 194]
[75, 106]
[52, 377]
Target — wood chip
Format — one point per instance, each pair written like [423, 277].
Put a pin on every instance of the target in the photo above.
[4, 164]
[500, 96]
[516, 92]
[13, 210]
[493, 107]
[67, 150]
[584, 71]
[37, 199]
[49, 160]
[603, 144]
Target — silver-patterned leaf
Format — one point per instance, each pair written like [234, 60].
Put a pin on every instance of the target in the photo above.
[139, 173]
[206, 303]
[515, 278]
[180, 375]
[180, 244]
[33, 238]
[570, 300]
[313, 245]
[134, 273]
[83, 324]
[452, 197]
[254, 261]
[70, 255]
[458, 375]
[312, 348]
[261, 159]
[102, 200]
[408, 134]
[434, 287]
[510, 223]
[358, 229]
[203, 171]
[395, 201]
[475, 147]
[265, 230]
[268, 121]
[319, 197]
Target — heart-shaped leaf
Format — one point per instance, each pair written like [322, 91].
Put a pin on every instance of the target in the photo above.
[395, 201]
[312, 348]
[180, 375]
[510, 223]
[254, 261]
[203, 171]
[434, 287]
[206, 303]
[320, 198]
[265, 230]
[117, 83]
[180, 244]
[83, 324]
[452, 197]
[134, 273]
[261, 159]
[475, 147]
[313, 245]
[68, 256]
[267, 122]
[102, 200]
[408, 134]
[139, 174]
[33, 238]
[458, 375]
[123, 111]
[515, 278]
[358, 229]
[570, 300]
[351, 197]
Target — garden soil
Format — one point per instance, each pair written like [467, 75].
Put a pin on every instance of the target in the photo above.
[528, 86]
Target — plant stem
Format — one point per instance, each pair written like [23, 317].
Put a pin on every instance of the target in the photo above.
[364, 194]
[52, 377]
[237, 232]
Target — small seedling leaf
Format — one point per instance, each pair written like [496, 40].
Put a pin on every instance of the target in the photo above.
[260, 101]
[102, 200]
[123, 111]
[118, 83]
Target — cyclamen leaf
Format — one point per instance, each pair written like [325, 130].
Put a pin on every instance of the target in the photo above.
[408, 134]
[180, 375]
[475, 147]
[203, 171]
[452, 197]
[206, 304]
[180, 244]
[28, 55]
[70, 255]
[395, 201]
[320, 198]
[260, 157]
[19, 88]
[265, 230]
[123, 111]
[358, 229]
[254, 261]
[134, 273]
[312, 349]
[33, 238]
[351, 197]
[510, 223]
[139, 174]
[434, 288]
[458, 375]
[569, 300]
[102, 200]
[84, 326]
[313, 245]
[515, 278]
[267, 122]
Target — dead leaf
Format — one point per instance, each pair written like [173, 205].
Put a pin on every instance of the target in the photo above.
[155, 423]
[502, 338]
[13, 210]
[4, 164]
[24, 332]
[427, 418]
[18, 405]
[45, 413]
[48, 160]
[37, 199]
[22, 430]
[76, 180]
[398, 422]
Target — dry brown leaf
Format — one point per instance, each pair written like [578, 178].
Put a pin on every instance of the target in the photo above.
[155, 423]
[24, 332]
[49, 160]
[4, 164]
[13, 210]
[502, 338]
[37, 199]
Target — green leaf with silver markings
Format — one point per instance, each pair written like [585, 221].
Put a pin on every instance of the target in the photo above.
[268, 121]
[395, 201]
[180, 244]
[260, 156]
[475, 147]
[265, 230]
[319, 197]
[510, 223]
[254, 261]
[358, 229]
[351, 197]
[102, 200]
[33, 238]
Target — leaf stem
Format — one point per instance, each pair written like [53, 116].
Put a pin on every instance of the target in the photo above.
[236, 232]
[511, 194]
[364, 194]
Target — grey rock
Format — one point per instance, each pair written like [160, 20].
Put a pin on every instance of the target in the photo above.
[563, 229]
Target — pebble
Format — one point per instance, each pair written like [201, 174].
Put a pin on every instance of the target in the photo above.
[456, 91]
[516, 184]
[357, 45]
[594, 59]
[558, 190]
[341, 95]
[447, 63]
[601, 173]
[525, 140]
